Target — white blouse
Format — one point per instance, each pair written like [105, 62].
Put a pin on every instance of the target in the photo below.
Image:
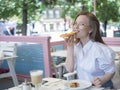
[93, 60]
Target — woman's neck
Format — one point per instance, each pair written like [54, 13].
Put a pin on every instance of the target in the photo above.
[84, 41]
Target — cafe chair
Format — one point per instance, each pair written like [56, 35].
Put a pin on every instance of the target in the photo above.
[116, 78]
[70, 75]
[9, 49]
[57, 69]
[57, 64]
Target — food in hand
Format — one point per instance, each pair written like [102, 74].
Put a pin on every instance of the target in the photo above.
[67, 35]
[74, 85]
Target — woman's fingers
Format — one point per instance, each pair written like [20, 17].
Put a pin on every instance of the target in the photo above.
[70, 41]
[97, 82]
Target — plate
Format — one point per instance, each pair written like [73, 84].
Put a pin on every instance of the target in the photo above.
[80, 84]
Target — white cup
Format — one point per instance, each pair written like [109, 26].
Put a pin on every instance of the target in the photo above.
[36, 77]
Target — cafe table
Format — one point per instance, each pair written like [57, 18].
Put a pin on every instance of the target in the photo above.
[54, 84]
[59, 53]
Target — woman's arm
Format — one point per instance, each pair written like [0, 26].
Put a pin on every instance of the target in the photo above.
[70, 54]
[100, 81]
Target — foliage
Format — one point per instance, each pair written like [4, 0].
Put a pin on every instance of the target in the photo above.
[9, 8]
[49, 2]
[72, 7]
[107, 10]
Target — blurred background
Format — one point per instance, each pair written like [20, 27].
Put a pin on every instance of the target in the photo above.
[38, 17]
[51, 18]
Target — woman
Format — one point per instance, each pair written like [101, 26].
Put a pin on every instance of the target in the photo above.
[88, 54]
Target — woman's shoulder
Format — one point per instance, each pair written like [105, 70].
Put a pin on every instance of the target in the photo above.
[103, 47]
[104, 51]
[100, 45]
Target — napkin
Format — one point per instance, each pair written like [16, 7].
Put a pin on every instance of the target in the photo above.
[54, 84]
[1, 54]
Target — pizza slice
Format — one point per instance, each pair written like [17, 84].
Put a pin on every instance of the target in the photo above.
[67, 35]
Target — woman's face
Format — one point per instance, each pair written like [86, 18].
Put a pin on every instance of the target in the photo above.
[82, 27]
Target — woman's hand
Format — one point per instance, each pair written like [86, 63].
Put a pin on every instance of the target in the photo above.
[97, 82]
[70, 41]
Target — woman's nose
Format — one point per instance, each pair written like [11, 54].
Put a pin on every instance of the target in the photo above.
[76, 28]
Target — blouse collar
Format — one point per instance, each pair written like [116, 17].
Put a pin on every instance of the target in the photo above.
[87, 46]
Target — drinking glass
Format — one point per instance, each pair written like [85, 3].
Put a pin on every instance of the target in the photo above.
[36, 78]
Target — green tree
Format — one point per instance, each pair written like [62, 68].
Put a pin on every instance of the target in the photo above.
[73, 7]
[26, 10]
[107, 10]
[7, 9]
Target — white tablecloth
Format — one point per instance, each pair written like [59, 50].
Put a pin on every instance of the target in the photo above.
[54, 84]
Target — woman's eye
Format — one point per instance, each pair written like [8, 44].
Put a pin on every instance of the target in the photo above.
[82, 24]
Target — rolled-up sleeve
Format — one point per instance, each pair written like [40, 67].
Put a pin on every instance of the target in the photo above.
[106, 60]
